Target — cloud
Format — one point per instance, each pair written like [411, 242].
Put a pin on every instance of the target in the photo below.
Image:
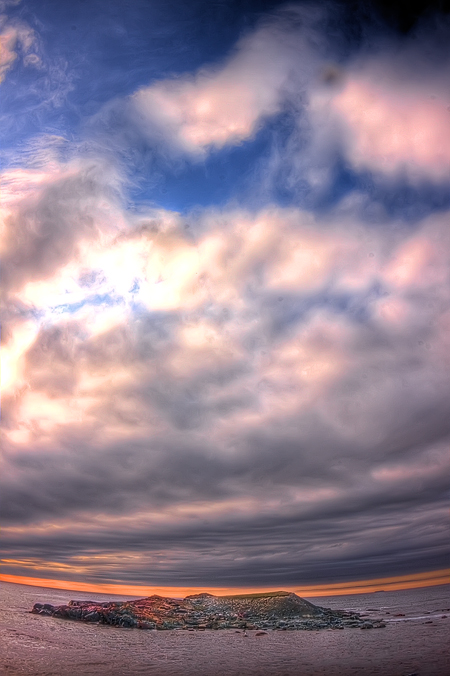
[382, 110]
[250, 394]
[394, 128]
[387, 108]
[223, 544]
[50, 215]
[265, 388]
[8, 3]
[227, 104]
[16, 39]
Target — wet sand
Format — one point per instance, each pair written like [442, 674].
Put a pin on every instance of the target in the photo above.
[416, 643]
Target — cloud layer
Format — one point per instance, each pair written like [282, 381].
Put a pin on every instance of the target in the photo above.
[235, 394]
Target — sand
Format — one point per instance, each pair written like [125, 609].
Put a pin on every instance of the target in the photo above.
[414, 644]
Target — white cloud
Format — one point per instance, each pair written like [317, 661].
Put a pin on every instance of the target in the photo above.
[225, 105]
[389, 111]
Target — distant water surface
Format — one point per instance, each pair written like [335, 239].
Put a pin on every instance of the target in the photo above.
[415, 641]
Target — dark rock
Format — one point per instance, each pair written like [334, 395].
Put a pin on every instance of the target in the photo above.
[66, 613]
[43, 609]
[93, 616]
[274, 610]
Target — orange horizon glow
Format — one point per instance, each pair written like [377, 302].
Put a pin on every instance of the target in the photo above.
[414, 581]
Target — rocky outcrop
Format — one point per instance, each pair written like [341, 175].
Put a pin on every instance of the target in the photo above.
[273, 610]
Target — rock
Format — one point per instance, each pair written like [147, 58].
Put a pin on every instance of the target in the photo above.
[93, 616]
[148, 625]
[66, 613]
[274, 610]
[39, 608]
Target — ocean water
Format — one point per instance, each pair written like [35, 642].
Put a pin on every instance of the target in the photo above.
[415, 641]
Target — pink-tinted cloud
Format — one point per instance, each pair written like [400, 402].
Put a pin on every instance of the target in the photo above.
[389, 110]
[227, 104]
[16, 38]
[395, 129]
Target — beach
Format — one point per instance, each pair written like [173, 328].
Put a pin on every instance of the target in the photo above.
[414, 641]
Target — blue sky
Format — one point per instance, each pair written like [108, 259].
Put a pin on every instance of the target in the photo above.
[92, 58]
[226, 290]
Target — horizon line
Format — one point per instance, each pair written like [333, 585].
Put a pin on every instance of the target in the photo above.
[411, 581]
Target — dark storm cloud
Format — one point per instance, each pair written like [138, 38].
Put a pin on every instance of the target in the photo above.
[265, 549]
[301, 454]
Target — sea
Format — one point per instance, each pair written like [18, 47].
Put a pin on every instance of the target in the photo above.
[415, 641]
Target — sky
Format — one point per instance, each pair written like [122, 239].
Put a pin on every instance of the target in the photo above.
[225, 293]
